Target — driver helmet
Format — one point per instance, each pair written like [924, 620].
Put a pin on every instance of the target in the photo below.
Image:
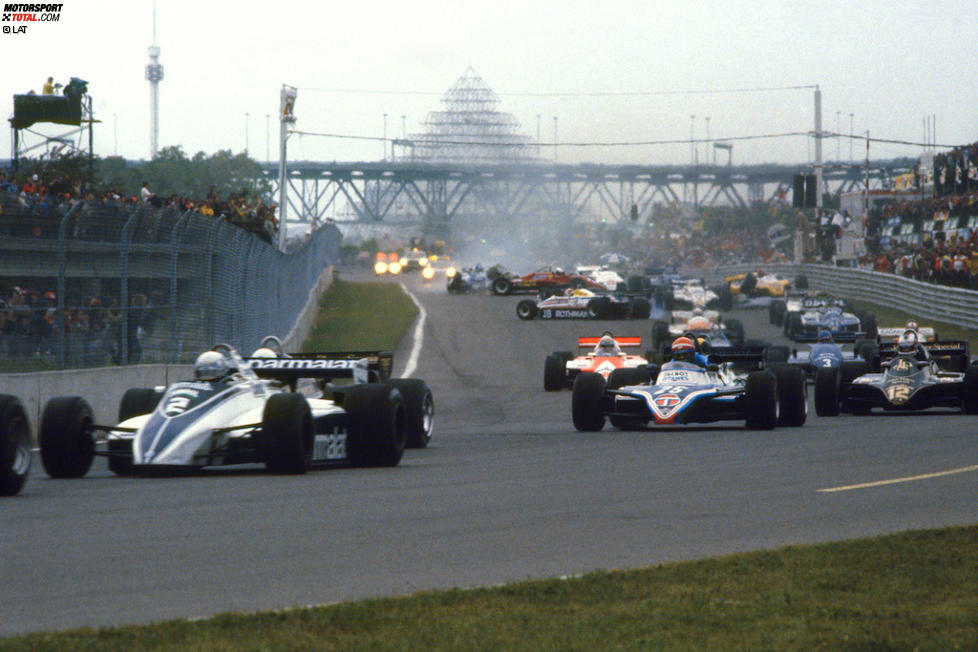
[698, 324]
[683, 349]
[607, 346]
[211, 365]
[912, 326]
[907, 342]
[478, 267]
[264, 352]
[825, 335]
[558, 270]
[697, 311]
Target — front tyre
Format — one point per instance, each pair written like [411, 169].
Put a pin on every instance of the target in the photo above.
[588, 393]
[526, 309]
[66, 438]
[286, 438]
[969, 401]
[419, 410]
[554, 373]
[15, 445]
[761, 397]
[501, 286]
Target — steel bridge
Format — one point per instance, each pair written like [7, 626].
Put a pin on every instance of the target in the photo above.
[439, 194]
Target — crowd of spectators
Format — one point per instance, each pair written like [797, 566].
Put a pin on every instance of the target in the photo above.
[96, 330]
[956, 171]
[53, 197]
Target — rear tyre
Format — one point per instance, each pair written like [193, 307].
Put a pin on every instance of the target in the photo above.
[827, 392]
[660, 335]
[761, 397]
[748, 285]
[725, 296]
[554, 373]
[970, 399]
[526, 309]
[776, 354]
[286, 438]
[15, 445]
[868, 323]
[793, 326]
[792, 395]
[377, 432]
[419, 410]
[801, 282]
[775, 311]
[66, 438]
[588, 393]
[639, 309]
[735, 330]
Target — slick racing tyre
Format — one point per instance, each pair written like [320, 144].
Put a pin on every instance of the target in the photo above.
[725, 296]
[735, 331]
[598, 307]
[501, 286]
[377, 434]
[639, 308]
[775, 311]
[827, 391]
[419, 410]
[135, 402]
[792, 395]
[627, 377]
[526, 309]
[761, 398]
[66, 438]
[286, 438]
[588, 393]
[554, 373]
[868, 324]
[969, 400]
[15, 445]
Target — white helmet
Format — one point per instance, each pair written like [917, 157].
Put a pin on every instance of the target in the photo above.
[211, 365]
[907, 342]
[264, 352]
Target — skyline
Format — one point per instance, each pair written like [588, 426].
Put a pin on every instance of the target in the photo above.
[626, 73]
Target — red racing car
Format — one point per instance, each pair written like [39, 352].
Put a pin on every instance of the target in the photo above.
[504, 283]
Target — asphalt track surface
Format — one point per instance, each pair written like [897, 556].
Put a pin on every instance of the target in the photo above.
[507, 490]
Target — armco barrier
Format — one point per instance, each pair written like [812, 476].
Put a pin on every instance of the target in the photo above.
[923, 300]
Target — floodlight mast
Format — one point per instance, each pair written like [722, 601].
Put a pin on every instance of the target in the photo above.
[286, 118]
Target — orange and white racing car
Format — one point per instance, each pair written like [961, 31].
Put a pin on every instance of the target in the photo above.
[601, 355]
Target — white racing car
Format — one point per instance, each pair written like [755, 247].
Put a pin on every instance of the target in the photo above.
[246, 410]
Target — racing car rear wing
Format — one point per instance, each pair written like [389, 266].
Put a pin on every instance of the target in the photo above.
[362, 366]
[719, 354]
[591, 342]
[936, 349]
[925, 333]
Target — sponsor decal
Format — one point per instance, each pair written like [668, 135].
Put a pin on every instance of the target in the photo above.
[331, 446]
[667, 401]
[300, 364]
[564, 314]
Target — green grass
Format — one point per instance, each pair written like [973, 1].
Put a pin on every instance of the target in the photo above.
[915, 590]
[361, 317]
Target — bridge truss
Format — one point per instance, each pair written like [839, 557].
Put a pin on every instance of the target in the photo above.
[440, 194]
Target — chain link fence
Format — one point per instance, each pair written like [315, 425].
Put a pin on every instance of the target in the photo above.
[97, 283]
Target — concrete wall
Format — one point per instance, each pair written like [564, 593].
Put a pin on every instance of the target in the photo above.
[104, 387]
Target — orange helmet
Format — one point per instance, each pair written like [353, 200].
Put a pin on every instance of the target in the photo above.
[683, 349]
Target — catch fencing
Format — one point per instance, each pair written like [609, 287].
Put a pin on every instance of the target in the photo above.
[100, 283]
[923, 300]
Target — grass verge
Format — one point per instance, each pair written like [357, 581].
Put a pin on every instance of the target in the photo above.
[914, 590]
[361, 317]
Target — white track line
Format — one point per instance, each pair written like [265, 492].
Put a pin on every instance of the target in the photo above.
[412, 362]
[880, 483]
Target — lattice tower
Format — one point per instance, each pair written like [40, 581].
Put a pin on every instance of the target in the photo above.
[470, 129]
